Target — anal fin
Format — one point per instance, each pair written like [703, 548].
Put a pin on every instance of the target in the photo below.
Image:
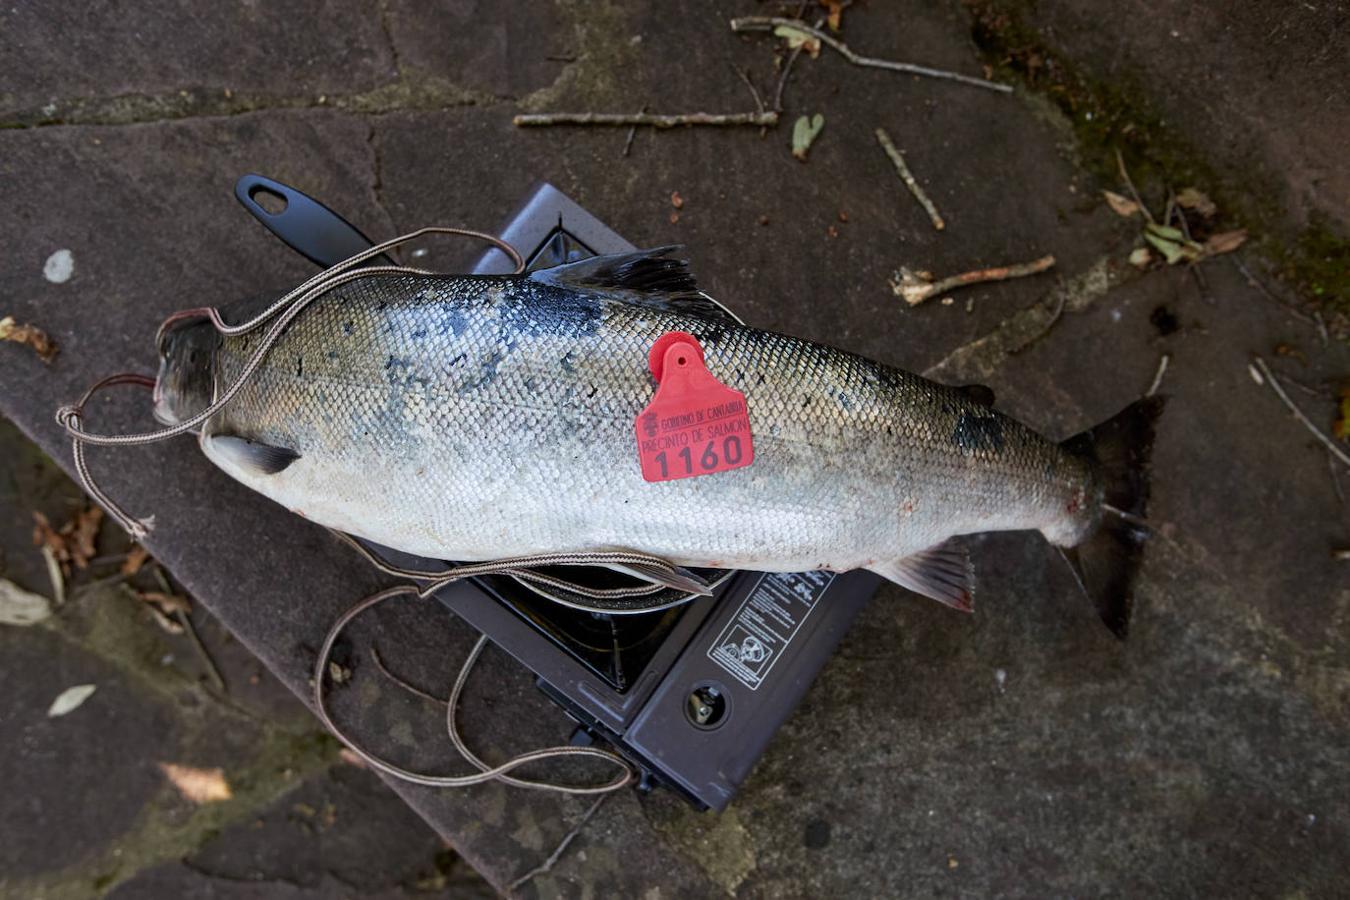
[252, 457]
[943, 572]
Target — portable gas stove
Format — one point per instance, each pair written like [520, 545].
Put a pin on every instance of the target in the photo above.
[689, 689]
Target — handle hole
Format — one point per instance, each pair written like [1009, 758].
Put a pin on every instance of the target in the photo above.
[681, 360]
[272, 203]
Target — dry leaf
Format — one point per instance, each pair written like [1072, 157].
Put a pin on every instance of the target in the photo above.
[166, 603]
[1341, 429]
[31, 335]
[1121, 206]
[70, 699]
[20, 607]
[136, 558]
[676, 200]
[1225, 242]
[1190, 198]
[913, 287]
[84, 531]
[75, 542]
[49, 539]
[835, 12]
[1140, 258]
[796, 38]
[198, 785]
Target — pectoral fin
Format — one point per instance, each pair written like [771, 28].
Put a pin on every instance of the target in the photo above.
[942, 572]
[252, 457]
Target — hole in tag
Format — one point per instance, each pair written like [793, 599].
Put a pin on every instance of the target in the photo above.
[272, 203]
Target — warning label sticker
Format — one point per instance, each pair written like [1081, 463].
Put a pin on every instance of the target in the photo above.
[768, 619]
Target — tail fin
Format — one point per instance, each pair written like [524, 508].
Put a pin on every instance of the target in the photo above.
[1105, 563]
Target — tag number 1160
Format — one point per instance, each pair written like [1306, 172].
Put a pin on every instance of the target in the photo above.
[707, 461]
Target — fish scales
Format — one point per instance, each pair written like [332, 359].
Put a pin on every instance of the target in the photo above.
[467, 417]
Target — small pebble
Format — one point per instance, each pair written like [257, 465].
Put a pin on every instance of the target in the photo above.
[764, 220]
[59, 267]
[952, 862]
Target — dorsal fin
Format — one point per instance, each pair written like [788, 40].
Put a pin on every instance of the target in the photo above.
[644, 277]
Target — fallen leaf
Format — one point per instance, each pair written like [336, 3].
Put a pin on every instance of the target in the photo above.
[1140, 258]
[1172, 243]
[912, 287]
[75, 542]
[796, 38]
[20, 607]
[84, 530]
[136, 558]
[167, 603]
[835, 12]
[198, 785]
[1120, 205]
[1290, 351]
[1225, 242]
[31, 335]
[1190, 198]
[804, 134]
[676, 200]
[1170, 250]
[1165, 231]
[70, 699]
[1341, 429]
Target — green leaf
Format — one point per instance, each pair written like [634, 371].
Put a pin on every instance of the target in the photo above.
[1171, 250]
[794, 37]
[1165, 232]
[804, 134]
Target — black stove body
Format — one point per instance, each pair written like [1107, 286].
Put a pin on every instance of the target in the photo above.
[691, 693]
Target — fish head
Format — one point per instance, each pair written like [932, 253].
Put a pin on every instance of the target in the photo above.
[185, 385]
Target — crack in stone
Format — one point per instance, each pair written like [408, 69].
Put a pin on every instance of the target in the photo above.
[389, 37]
[425, 94]
[377, 173]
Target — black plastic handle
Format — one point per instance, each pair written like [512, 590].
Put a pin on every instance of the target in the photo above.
[304, 224]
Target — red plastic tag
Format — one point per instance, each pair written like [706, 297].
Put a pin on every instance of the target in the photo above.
[695, 425]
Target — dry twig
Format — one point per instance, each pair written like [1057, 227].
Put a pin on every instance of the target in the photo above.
[1129, 183]
[908, 178]
[769, 23]
[915, 288]
[1158, 376]
[1298, 413]
[632, 133]
[758, 119]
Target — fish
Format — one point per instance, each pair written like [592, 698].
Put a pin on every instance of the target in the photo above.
[465, 417]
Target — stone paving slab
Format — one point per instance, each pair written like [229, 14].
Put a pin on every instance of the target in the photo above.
[1200, 757]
